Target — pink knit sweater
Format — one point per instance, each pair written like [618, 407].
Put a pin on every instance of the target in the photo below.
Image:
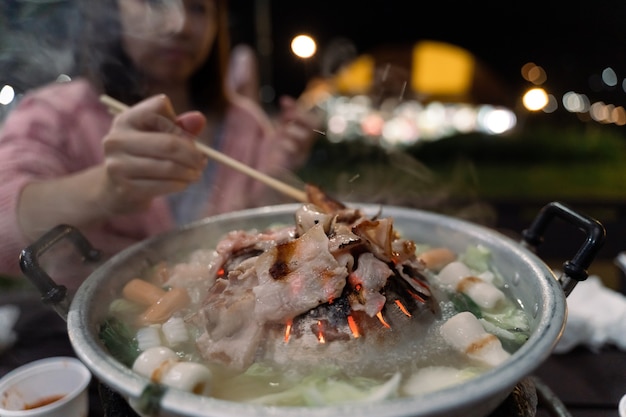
[58, 129]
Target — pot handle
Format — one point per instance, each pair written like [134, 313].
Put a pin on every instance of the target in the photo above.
[575, 270]
[52, 293]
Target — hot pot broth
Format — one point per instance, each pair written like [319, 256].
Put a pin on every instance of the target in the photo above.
[369, 339]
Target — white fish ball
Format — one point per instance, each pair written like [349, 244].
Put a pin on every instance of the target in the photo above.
[189, 376]
[452, 273]
[154, 362]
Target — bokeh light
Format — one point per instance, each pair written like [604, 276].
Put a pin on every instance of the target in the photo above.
[552, 104]
[496, 121]
[575, 102]
[600, 112]
[7, 94]
[535, 99]
[406, 122]
[619, 116]
[303, 46]
[534, 73]
[609, 77]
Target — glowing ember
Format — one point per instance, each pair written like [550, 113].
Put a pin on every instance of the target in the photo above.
[353, 327]
[416, 296]
[382, 320]
[320, 333]
[288, 330]
[403, 308]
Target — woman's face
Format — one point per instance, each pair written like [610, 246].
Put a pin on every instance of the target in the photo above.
[168, 40]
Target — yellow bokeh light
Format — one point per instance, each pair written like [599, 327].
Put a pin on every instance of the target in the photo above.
[303, 46]
[442, 68]
[619, 116]
[537, 75]
[357, 77]
[534, 73]
[526, 68]
[535, 99]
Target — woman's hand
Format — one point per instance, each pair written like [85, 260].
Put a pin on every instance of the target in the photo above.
[149, 152]
[296, 129]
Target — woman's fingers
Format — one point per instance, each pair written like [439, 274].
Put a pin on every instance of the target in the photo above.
[134, 167]
[149, 152]
[156, 146]
[151, 130]
[136, 193]
[192, 122]
[131, 183]
[141, 115]
[298, 127]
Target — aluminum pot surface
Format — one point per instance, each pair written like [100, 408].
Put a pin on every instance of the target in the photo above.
[540, 293]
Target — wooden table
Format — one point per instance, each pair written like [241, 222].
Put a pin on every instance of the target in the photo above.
[589, 384]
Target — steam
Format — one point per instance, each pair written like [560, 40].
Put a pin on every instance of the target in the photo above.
[36, 44]
[39, 38]
[397, 178]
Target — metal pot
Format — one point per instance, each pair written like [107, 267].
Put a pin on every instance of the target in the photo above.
[531, 281]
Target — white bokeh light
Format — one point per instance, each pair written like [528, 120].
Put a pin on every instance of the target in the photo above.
[303, 46]
[7, 94]
[609, 77]
[575, 103]
[496, 120]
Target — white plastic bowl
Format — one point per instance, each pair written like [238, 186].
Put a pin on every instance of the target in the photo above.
[58, 384]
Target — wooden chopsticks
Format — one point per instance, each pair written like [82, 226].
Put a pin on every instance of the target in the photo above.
[116, 107]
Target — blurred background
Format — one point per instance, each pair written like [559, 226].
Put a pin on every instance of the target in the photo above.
[484, 110]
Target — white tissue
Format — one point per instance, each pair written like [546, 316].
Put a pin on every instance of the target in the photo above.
[596, 316]
[8, 317]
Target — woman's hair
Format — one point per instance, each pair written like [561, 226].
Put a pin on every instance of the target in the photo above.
[101, 58]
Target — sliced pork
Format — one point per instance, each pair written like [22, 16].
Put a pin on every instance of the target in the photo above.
[334, 267]
[297, 276]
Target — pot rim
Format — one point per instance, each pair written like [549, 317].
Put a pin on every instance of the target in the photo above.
[534, 351]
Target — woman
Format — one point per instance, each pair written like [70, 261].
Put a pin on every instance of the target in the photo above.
[65, 159]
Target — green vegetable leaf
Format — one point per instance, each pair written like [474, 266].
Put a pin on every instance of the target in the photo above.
[462, 302]
[477, 257]
[119, 340]
[330, 386]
